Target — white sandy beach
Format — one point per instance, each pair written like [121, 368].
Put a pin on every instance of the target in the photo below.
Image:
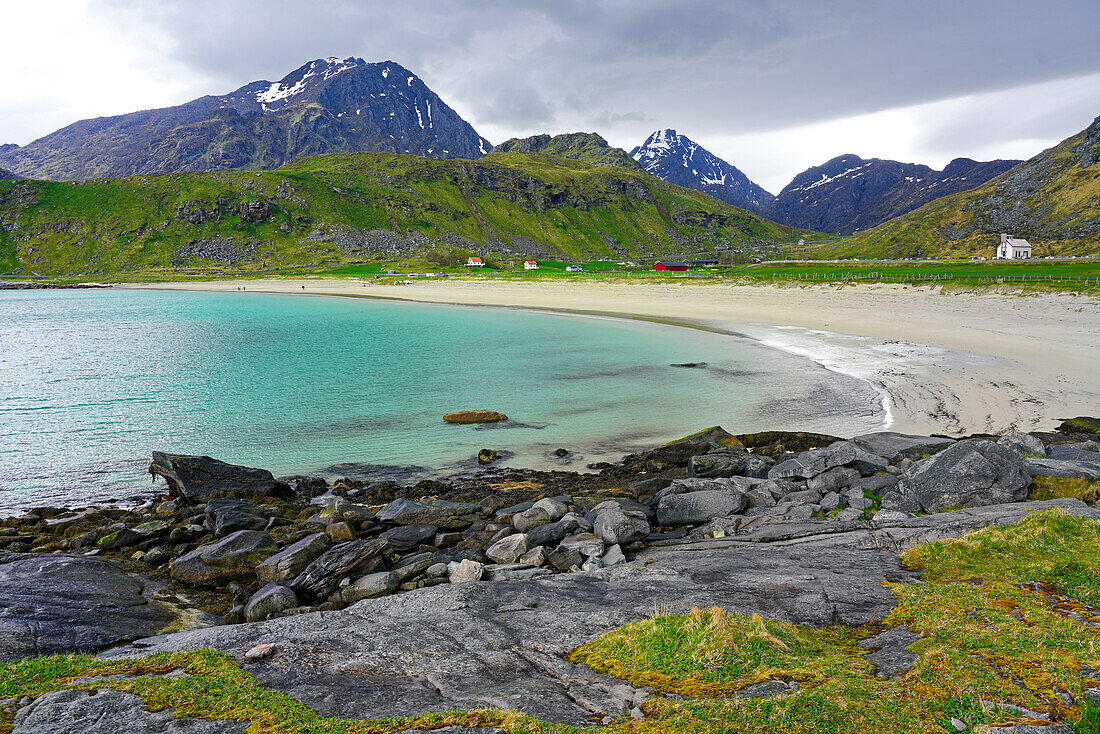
[956, 364]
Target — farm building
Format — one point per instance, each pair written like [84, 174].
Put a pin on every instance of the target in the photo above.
[574, 269]
[704, 262]
[475, 262]
[1013, 249]
[530, 265]
[674, 266]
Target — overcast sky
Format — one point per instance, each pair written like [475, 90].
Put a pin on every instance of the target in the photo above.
[771, 86]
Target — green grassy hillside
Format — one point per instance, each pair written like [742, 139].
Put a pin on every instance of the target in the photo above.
[1053, 200]
[587, 147]
[341, 208]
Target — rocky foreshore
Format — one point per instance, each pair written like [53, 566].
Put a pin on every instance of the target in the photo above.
[545, 560]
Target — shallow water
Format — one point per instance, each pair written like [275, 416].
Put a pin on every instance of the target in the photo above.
[91, 382]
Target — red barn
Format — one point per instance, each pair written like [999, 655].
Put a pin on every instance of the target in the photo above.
[677, 266]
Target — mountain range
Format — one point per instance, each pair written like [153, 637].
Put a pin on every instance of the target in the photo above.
[849, 193]
[349, 106]
[1052, 199]
[678, 159]
[327, 105]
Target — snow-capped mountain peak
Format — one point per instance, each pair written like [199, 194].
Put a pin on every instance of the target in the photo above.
[678, 159]
[304, 77]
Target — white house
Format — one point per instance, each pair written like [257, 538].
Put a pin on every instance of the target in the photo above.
[530, 265]
[1013, 249]
[475, 262]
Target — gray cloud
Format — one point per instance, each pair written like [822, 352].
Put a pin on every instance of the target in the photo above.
[717, 68]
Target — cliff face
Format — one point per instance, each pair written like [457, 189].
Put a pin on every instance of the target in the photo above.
[327, 105]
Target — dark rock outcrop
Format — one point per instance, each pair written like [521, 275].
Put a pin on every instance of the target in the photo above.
[108, 712]
[967, 474]
[53, 604]
[201, 478]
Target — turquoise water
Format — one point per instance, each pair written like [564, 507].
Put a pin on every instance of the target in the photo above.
[91, 382]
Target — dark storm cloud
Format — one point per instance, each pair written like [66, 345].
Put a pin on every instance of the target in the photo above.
[715, 65]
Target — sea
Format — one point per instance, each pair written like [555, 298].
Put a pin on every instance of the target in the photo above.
[93, 381]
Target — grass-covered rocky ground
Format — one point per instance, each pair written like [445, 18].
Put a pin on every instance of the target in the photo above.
[332, 209]
[1005, 615]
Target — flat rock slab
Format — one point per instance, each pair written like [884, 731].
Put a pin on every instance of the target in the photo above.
[466, 646]
[108, 712]
[59, 604]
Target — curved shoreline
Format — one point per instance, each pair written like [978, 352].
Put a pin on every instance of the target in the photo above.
[955, 364]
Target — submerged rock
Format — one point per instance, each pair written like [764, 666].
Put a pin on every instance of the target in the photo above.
[475, 416]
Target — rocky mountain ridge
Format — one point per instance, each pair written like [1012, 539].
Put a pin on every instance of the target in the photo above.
[326, 105]
[676, 158]
[849, 193]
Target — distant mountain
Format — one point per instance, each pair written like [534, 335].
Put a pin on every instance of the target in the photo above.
[327, 105]
[849, 193]
[1053, 200]
[587, 147]
[677, 159]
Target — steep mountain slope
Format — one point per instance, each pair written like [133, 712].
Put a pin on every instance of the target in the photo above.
[849, 193]
[4, 173]
[1053, 200]
[677, 159]
[327, 105]
[354, 207]
[587, 147]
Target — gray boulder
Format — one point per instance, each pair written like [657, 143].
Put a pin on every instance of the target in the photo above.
[109, 712]
[696, 484]
[967, 474]
[1089, 470]
[699, 507]
[509, 549]
[370, 586]
[447, 515]
[723, 462]
[225, 516]
[528, 519]
[555, 509]
[291, 561]
[1077, 451]
[833, 479]
[465, 571]
[818, 461]
[64, 604]
[1022, 444]
[271, 599]
[898, 446]
[200, 478]
[233, 558]
[618, 527]
[553, 533]
[347, 560]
